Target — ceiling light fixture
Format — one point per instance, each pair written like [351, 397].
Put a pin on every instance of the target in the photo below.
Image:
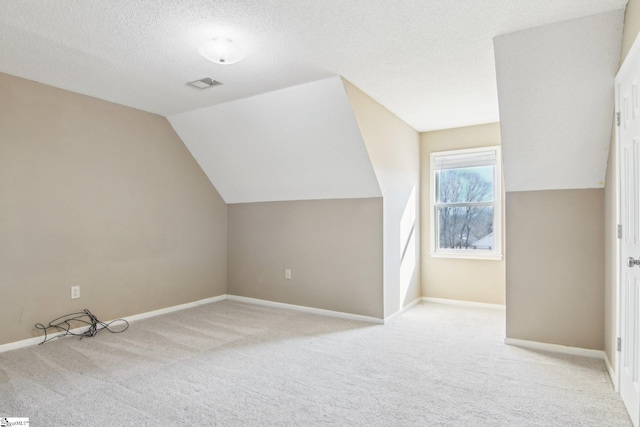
[221, 51]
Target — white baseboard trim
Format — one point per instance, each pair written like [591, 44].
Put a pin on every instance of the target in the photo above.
[402, 310]
[305, 309]
[29, 342]
[173, 308]
[556, 348]
[37, 340]
[612, 373]
[463, 303]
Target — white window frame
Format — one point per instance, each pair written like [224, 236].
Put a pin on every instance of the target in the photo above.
[496, 252]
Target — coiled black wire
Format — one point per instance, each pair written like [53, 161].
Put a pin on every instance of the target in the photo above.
[63, 324]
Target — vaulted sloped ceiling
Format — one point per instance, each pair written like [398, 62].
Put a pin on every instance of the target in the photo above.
[555, 94]
[430, 62]
[298, 143]
[260, 137]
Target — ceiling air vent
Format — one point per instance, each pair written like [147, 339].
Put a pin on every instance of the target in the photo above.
[204, 83]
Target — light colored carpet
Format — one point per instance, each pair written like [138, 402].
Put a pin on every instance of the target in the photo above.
[236, 364]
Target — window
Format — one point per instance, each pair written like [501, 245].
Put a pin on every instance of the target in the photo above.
[466, 203]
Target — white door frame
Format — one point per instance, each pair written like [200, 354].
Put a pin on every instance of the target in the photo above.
[633, 52]
[635, 48]
[615, 375]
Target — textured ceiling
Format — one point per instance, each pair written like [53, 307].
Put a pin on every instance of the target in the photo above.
[428, 61]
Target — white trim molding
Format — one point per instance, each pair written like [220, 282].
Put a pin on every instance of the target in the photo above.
[612, 373]
[305, 309]
[458, 159]
[171, 309]
[30, 341]
[556, 348]
[563, 349]
[463, 303]
[37, 340]
[135, 317]
[402, 310]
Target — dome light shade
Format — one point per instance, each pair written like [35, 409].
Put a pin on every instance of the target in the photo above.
[221, 51]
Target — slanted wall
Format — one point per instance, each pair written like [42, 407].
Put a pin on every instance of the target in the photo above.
[393, 148]
[555, 87]
[302, 196]
[303, 170]
[298, 143]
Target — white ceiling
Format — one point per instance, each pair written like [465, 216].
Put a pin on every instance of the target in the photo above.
[556, 102]
[428, 61]
[299, 143]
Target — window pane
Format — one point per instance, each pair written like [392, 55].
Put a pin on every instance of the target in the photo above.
[466, 227]
[465, 185]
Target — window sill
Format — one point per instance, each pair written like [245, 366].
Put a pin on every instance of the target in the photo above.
[488, 257]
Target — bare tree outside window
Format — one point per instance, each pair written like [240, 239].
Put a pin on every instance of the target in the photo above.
[466, 203]
[464, 208]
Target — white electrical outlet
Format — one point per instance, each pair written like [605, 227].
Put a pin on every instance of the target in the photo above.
[287, 274]
[75, 292]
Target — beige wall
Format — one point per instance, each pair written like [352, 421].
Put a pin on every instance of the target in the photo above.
[101, 196]
[631, 27]
[458, 279]
[393, 147]
[333, 247]
[555, 272]
[631, 30]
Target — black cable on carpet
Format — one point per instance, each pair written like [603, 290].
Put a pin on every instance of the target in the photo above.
[63, 324]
